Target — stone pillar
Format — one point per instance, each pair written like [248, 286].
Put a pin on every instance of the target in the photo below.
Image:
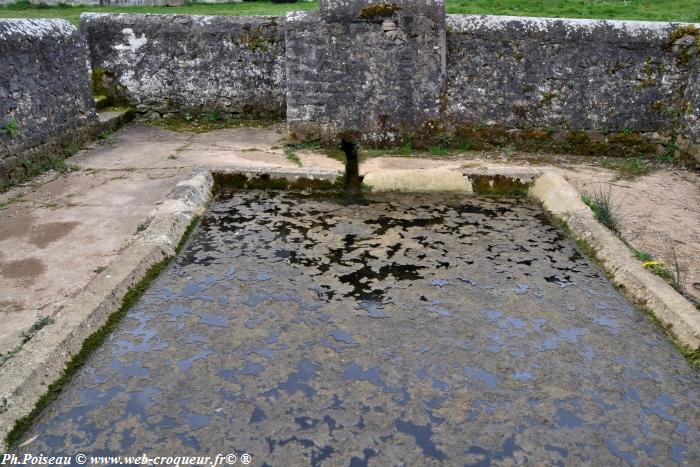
[373, 69]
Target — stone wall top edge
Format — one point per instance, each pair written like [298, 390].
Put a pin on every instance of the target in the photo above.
[87, 16]
[302, 16]
[35, 28]
[633, 28]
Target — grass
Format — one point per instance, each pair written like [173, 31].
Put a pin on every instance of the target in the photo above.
[94, 341]
[11, 128]
[676, 270]
[642, 255]
[604, 209]
[72, 13]
[626, 167]
[292, 156]
[652, 10]
[672, 270]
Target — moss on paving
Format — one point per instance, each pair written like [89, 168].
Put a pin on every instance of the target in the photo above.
[652, 10]
[207, 122]
[93, 342]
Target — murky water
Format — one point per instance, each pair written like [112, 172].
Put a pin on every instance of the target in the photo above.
[411, 330]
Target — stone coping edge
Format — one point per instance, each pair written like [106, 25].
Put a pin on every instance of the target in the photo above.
[640, 286]
[27, 375]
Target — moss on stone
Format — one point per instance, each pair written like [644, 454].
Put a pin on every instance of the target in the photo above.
[379, 10]
[686, 51]
[238, 181]
[499, 185]
[204, 123]
[104, 83]
[679, 33]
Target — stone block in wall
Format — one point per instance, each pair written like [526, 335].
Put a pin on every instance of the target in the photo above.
[563, 74]
[192, 64]
[45, 97]
[379, 77]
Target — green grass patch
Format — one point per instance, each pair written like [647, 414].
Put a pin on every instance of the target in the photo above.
[93, 342]
[604, 209]
[11, 128]
[291, 154]
[627, 167]
[72, 13]
[652, 10]
[642, 255]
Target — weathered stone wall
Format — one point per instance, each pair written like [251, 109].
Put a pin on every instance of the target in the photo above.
[688, 46]
[567, 75]
[376, 71]
[45, 98]
[192, 64]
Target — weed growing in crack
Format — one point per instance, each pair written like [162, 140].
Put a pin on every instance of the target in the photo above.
[669, 155]
[292, 156]
[676, 269]
[9, 354]
[213, 117]
[11, 128]
[604, 209]
[27, 335]
[406, 149]
[508, 151]
[438, 151]
[40, 323]
[642, 255]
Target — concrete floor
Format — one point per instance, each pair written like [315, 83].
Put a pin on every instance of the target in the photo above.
[409, 330]
[58, 232]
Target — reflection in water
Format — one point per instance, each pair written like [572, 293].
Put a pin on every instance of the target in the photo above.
[305, 330]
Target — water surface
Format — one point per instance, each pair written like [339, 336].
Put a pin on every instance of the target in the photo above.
[411, 330]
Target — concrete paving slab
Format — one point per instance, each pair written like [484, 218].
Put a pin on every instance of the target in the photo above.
[55, 239]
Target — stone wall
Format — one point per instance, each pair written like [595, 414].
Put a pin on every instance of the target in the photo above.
[567, 75]
[375, 71]
[45, 98]
[588, 87]
[170, 64]
[399, 72]
[688, 46]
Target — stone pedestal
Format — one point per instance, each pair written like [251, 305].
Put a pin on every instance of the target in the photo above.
[373, 69]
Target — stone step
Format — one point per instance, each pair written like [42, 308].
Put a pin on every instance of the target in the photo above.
[101, 101]
[113, 118]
